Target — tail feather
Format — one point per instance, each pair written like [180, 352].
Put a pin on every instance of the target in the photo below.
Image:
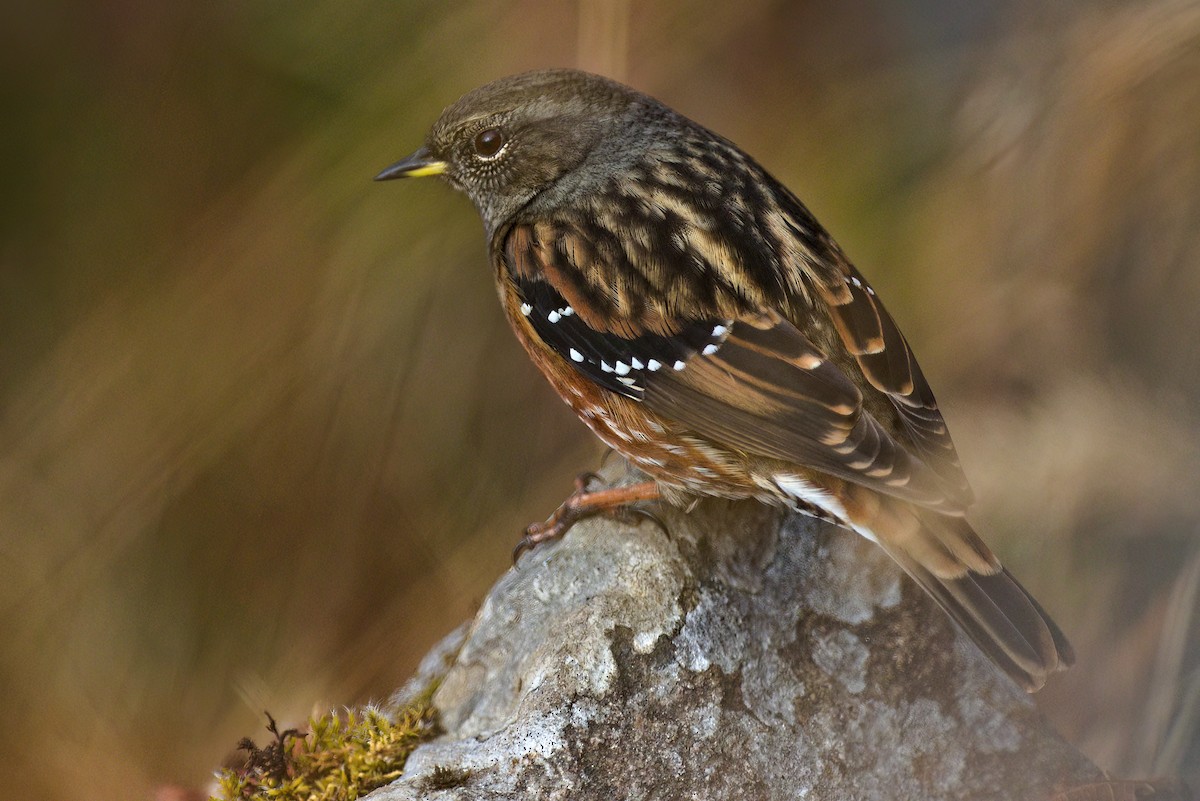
[992, 607]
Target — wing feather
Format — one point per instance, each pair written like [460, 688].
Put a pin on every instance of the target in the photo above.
[789, 403]
[887, 362]
[746, 379]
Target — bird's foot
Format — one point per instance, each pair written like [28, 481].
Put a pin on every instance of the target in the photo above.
[615, 502]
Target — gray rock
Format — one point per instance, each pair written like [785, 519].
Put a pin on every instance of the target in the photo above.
[744, 655]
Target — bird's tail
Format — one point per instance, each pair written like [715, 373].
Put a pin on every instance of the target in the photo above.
[947, 558]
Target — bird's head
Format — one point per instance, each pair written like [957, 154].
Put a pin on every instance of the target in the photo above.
[507, 142]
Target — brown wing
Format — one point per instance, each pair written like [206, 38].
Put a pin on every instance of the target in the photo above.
[871, 336]
[767, 390]
[747, 380]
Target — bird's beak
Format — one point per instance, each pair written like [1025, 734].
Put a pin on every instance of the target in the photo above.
[418, 165]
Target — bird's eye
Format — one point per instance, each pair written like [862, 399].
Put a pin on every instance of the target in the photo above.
[488, 142]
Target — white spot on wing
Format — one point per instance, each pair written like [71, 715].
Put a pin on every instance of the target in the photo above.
[526, 309]
[653, 364]
[622, 368]
[709, 350]
[566, 311]
[637, 363]
[554, 317]
[679, 365]
[719, 330]
[576, 356]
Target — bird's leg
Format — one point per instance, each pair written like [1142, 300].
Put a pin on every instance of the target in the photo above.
[580, 504]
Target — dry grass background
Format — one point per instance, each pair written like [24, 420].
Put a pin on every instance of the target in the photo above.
[264, 438]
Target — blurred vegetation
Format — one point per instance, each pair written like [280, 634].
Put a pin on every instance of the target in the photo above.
[263, 434]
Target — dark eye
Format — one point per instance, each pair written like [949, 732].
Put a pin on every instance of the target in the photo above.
[488, 142]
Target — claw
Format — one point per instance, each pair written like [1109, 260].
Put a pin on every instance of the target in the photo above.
[646, 514]
[555, 527]
[526, 543]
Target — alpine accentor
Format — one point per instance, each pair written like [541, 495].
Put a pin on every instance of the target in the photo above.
[701, 321]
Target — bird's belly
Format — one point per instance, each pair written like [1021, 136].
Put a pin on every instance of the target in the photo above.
[692, 466]
[656, 446]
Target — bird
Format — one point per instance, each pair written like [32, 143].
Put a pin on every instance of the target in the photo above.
[700, 320]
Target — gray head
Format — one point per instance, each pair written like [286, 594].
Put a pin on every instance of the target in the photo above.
[505, 143]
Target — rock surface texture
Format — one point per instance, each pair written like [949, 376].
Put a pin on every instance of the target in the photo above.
[743, 655]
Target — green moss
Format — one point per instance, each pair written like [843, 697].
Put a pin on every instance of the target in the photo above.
[341, 757]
